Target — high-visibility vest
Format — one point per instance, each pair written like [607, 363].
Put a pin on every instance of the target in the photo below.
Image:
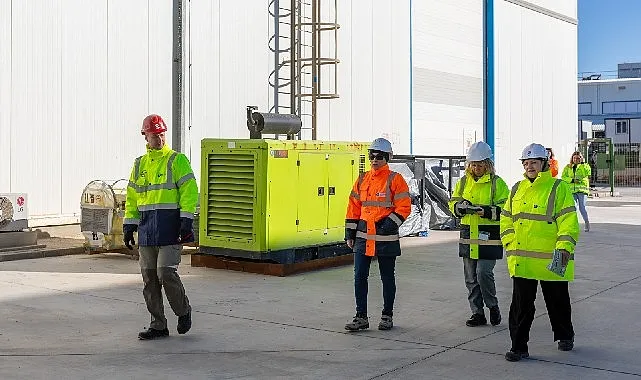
[554, 167]
[488, 190]
[378, 204]
[538, 218]
[582, 174]
[161, 190]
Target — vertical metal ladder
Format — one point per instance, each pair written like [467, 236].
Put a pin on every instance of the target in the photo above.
[305, 58]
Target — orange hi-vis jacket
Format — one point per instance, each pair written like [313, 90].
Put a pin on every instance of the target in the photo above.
[378, 205]
[554, 167]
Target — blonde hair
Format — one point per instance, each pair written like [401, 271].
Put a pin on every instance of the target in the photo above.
[489, 166]
[577, 153]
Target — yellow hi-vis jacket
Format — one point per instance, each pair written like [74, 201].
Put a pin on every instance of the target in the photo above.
[578, 177]
[162, 189]
[489, 192]
[538, 218]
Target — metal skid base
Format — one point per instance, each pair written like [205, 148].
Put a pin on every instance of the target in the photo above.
[274, 263]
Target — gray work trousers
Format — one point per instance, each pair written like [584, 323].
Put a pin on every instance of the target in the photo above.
[479, 280]
[159, 269]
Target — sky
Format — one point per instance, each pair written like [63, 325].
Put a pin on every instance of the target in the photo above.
[609, 33]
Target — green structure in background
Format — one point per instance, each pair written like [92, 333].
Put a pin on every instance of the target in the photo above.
[282, 201]
[600, 154]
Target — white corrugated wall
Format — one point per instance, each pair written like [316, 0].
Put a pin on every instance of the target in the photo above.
[230, 64]
[448, 76]
[5, 96]
[77, 77]
[536, 95]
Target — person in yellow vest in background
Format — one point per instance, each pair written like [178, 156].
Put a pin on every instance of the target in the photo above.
[577, 173]
[161, 201]
[538, 219]
[477, 199]
[378, 204]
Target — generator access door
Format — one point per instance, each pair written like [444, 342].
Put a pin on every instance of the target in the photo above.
[312, 192]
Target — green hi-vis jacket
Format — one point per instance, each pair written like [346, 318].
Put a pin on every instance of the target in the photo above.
[162, 189]
[480, 236]
[538, 218]
[578, 179]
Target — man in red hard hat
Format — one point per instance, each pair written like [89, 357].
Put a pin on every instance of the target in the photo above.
[161, 202]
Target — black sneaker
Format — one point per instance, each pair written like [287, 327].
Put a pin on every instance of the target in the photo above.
[495, 315]
[150, 334]
[566, 344]
[476, 320]
[360, 322]
[515, 356]
[184, 323]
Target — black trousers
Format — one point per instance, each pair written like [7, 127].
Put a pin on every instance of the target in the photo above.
[557, 302]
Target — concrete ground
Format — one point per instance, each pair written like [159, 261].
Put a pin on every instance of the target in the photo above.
[77, 317]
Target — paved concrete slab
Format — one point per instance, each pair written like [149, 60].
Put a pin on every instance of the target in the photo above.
[77, 317]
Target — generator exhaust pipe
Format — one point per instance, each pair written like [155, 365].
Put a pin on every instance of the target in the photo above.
[260, 123]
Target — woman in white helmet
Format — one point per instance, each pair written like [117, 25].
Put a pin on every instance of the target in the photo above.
[539, 226]
[477, 199]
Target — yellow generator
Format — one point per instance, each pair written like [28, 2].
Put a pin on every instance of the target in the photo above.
[280, 201]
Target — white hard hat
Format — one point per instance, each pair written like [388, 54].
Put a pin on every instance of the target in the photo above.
[382, 145]
[534, 150]
[479, 151]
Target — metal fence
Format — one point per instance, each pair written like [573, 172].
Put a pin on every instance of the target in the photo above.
[616, 167]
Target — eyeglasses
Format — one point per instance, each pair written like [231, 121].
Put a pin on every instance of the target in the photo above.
[376, 156]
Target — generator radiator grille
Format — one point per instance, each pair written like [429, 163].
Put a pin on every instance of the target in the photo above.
[231, 196]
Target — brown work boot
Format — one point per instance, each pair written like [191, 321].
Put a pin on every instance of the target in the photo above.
[386, 322]
[360, 322]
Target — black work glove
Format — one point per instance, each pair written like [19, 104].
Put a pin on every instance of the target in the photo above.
[186, 230]
[128, 232]
[491, 212]
[472, 210]
[460, 207]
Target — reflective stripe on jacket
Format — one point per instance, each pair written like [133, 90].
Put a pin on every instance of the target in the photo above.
[378, 205]
[162, 189]
[538, 218]
[489, 190]
[581, 174]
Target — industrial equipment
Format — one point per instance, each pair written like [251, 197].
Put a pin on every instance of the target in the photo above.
[13, 212]
[102, 207]
[260, 123]
[282, 201]
[14, 224]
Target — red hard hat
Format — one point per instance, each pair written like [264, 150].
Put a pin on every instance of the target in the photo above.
[153, 124]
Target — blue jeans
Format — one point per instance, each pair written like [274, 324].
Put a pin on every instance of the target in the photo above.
[579, 199]
[386, 266]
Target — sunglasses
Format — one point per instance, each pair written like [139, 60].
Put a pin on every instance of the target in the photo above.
[376, 156]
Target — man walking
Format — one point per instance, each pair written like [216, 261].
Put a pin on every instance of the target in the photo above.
[161, 201]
